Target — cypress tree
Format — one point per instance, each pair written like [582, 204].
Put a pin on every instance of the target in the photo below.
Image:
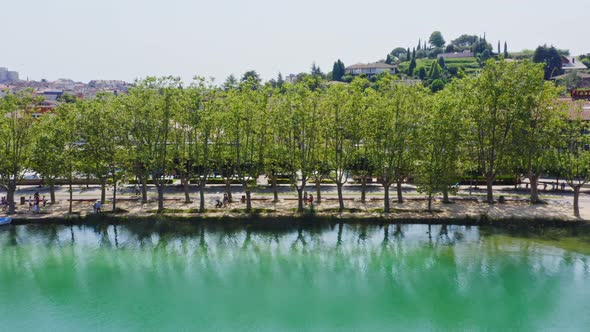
[419, 44]
[441, 62]
[412, 67]
[498, 47]
[408, 56]
[505, 50]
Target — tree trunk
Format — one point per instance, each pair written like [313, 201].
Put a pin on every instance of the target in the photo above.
[10, 196]
[400, 198]
[103, 194]
[143, 189]
[340, 198]
[534, 190]
[275, 190]
[160, 187]
[71, 196]
[228, 189]
[318, 192]
[52, 193]
[489, 189]
[114, 195]
[202, 195]
[363, 188]
[248, 201]
[446, 195]
[429, 202]
[300, 199]
[386, 198]
[185, 186]
[576, 198]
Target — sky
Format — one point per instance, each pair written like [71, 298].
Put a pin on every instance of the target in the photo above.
[128, 39]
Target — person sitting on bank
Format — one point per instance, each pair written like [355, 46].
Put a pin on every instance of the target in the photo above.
[97, 207]
[243, 199]
[218, 203]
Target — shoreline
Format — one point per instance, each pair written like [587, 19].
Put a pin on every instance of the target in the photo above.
[271, 221]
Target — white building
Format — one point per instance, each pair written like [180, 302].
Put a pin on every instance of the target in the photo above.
[370, 69]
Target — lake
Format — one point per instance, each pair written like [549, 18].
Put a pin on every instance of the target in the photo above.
[180, 277]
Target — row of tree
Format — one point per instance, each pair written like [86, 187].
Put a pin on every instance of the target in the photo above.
[507, 120]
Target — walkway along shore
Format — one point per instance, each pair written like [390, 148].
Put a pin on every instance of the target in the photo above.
[466, 209]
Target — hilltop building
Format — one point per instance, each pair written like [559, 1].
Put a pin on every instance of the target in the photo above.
[370, 69]
[457, 55]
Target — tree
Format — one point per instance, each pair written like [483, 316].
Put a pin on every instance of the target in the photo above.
[436, 39]
[505, 50]
[574, 156]
[48, 153]
[393, 121]
[422, 73]
[398, 52]
[435, 71]
[439, 138]
[16, 140]
[67, 98]
[485, 55]
[298, 130]
[499, 52]
[437, 85]
[151, 105]
[464, 42]
[441, 62]
[419, 44]
[551, 58]
[338, 70]
[493, 117]
[251, 75]
[280, 81]
[412, 67]
[230, 83]
[537, 128]
[316, 71]
[408, 55]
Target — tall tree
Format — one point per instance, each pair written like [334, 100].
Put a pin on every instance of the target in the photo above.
[539, 119]
[438, 144]
[436, 39]
[505, 50]
[493, 117]
[338, 70]
[16, 140]
[393, 121]
[151, 104]
[574, 156]
[551, 58]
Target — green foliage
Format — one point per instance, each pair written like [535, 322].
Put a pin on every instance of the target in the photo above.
[436, 39]
[67, 98]
[412, 67]
[551, 58]
[338, 70]
[422, 73]
[437, 85]
[505, 50]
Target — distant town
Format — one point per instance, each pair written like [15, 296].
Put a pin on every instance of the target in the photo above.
[53, 92]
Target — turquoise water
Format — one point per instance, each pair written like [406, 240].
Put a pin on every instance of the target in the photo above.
[341, 277]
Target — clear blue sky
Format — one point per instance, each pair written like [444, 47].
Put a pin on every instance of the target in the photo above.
[126, 39]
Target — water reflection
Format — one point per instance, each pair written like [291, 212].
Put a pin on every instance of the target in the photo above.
[353, 275]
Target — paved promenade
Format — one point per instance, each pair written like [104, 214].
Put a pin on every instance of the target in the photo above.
[559, 203]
